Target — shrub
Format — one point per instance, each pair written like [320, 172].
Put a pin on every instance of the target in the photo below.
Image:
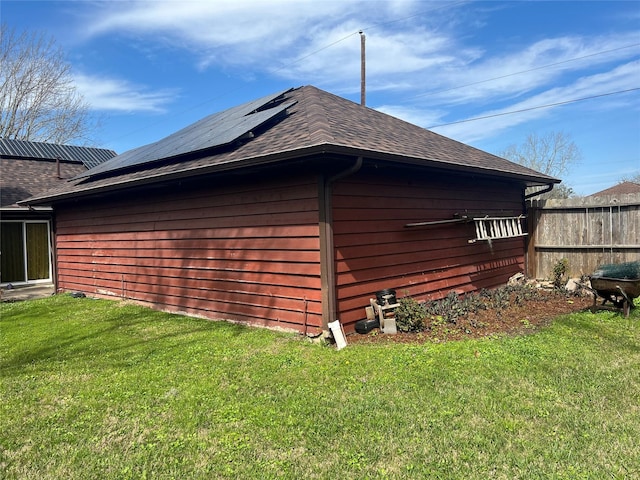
[559, 272]
[410, 315]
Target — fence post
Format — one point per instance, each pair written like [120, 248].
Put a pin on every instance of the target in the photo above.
[532, 223]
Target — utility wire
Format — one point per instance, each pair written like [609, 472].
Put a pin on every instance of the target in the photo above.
[534, 108]
[315, 51]
[453, 4]
[371, 27]
[524, 71]
[293, 62]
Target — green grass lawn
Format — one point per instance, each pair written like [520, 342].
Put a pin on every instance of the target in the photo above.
[96, 389]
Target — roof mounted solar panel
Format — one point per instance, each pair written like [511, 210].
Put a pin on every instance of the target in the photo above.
[216, 130]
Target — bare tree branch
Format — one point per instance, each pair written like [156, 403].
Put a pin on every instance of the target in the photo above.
[38, 98]
[553, 153]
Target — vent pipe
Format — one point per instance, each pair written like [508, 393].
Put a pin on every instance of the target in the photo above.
[363, 88]
[58, 168]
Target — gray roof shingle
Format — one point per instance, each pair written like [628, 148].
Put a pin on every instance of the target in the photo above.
[621, 188]
[29, 169]
[22, 178]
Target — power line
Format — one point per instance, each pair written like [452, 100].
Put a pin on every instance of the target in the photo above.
[382, 24]
[534, 108]
[293, 62]
[524, 71]
[315, 51]
[371, 27]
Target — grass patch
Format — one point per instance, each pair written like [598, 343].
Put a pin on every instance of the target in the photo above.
[97, 389]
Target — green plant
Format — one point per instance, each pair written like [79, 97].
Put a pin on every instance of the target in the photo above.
[500, 298]
[410, 315]
[521, 293]
[448, 308]
[560, 270]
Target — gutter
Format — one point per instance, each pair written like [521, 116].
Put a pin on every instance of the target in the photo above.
[548, 188]
[88, 189]
[327, 254]
[26, 208]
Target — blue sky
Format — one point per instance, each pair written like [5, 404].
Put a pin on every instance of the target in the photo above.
[149, 68]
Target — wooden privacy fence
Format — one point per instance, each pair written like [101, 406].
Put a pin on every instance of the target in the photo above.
[587, 231]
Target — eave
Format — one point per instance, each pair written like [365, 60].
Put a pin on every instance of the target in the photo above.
[153, 176]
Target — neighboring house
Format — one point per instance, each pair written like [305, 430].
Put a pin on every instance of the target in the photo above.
[290, 211]
[621, 188]
[28, 169]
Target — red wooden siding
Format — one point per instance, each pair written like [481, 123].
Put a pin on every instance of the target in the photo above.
[242, 252]
[374, 250]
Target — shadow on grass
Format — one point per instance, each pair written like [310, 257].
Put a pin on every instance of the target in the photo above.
[591, 323]
[124, 331]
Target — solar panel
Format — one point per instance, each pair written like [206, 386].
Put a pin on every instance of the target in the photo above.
[215, 130]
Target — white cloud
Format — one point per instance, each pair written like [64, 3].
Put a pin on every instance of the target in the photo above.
[291, 38]
[317, 42]
[236, 32]
[417, 116]
[415, 49]
[620, 78]
[510, 74]
[109, 94]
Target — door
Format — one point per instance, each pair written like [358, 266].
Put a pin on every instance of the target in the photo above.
[25, 254]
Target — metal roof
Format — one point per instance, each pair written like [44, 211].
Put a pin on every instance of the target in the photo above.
[216, 130]
[89, 156]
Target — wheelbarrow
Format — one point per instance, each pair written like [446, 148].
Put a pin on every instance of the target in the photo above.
[618, 284]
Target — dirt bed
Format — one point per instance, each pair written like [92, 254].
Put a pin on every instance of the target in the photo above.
[528, 317]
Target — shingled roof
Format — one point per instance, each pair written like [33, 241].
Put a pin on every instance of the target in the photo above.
[619, 189]
[314, 122]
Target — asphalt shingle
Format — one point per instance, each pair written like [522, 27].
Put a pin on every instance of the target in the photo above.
[318, 121]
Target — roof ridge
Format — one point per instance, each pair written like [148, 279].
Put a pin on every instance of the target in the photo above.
[318, 127]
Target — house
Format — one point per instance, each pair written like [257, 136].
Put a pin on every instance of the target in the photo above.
[291, 211]
[28, 169]
[621, 188]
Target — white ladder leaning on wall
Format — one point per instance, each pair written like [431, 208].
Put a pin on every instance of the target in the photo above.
[491, 228]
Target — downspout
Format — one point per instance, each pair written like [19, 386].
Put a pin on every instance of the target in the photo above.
[349, 171]
[327, 256]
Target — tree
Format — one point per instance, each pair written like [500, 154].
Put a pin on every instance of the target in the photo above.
[38, 98]
[635, 178]
[553, 154]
